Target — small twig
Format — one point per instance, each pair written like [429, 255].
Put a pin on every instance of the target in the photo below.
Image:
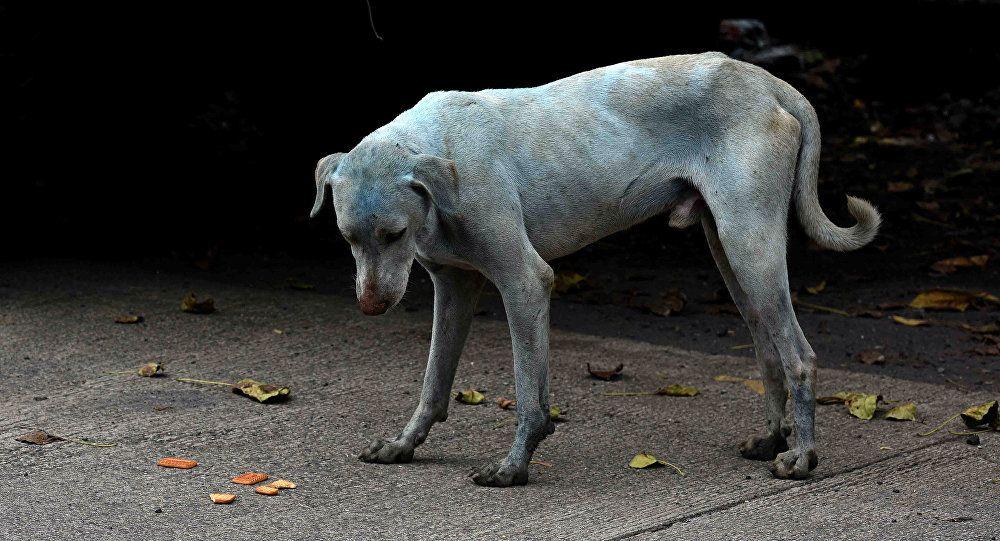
[742, 346]
[204, 381]
[821, 308]
[940, 426]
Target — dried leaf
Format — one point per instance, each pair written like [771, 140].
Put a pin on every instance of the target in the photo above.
[300, 286]
[868, 312]
[909, 322]
[677, 390]
[863, 406]
[149, 370]
[192, 305]
[38, 437]
[984, 414]
[904, 412]
[471, 397]
[817, 289]
[606, 375]
[555, 414]
[729, 379]
[129, 319]
[261, 392]
[755, 385]
[950, 265]
[871, 356]
[643, 461]
[669, 303]
[568, 281]
[950, 299]
[506, 403]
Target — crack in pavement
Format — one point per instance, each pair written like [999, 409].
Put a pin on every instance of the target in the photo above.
[806, 482]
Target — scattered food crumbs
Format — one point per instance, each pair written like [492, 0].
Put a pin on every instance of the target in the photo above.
[222, 498]
[174, 462]
[266, 490]
[250, 478]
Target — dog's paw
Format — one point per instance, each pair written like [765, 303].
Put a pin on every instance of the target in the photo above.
[763, 447]
[501, 474]
[388, 452]
[794, 464]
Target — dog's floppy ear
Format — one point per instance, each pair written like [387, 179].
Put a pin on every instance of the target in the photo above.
[324, 172]
[437, 179]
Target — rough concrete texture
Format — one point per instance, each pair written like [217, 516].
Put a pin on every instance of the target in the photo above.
[355, 378]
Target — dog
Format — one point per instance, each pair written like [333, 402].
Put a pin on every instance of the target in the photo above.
[491, 185]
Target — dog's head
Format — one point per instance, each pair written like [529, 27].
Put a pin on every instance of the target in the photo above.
[382, 193]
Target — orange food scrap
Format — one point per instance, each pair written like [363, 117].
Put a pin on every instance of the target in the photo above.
[250, 478]
[174, 462]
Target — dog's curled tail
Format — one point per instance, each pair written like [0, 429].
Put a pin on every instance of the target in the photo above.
[815, 222]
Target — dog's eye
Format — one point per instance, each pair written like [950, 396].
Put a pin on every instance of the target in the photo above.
[393, 237]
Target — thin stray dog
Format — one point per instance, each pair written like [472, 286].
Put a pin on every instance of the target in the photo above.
[490, 185]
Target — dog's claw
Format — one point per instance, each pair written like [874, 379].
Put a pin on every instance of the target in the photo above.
[500, 474]
[387, 452]
[794, 464]
[764, 447]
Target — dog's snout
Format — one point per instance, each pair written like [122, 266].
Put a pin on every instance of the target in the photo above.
[371, 305]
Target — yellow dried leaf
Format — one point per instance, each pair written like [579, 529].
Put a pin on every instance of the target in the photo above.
[817, 289]
[677, 390]
[941, 299]
[983, 414]
[567, 281]
[261, 392]
[643, 460]
[909, 322]
[755, 385]
[904, 412]
[471, 397]
[728, 379]
[863, 406]
[149, 370]
[555, 414]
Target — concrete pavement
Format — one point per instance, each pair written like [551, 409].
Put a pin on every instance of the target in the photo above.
[354, 378]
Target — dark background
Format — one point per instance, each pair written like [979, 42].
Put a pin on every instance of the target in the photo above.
[191, 129]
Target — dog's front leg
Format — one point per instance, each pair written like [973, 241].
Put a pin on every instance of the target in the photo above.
[455, 294]
[526, 298]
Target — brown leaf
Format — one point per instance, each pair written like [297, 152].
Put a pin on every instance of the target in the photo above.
[677, 390]
[129, 319]
[867, 312]
[265, 393]
[192, 305]
[506, 403]
[606, 375]
[950, 265]
[871, 356]
[38, 437]
[910, 322]
[669, 303]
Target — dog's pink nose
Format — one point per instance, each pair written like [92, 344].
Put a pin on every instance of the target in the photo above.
[370, 305]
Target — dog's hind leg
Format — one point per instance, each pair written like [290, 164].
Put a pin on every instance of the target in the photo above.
[753, 236]
[455, 294]
[765, 446]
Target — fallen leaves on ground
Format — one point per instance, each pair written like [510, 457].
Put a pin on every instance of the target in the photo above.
[567, 281]
[950, 299]
[470, 396]
[950, 265]
[677, 390]
[129, 319]
[555, 414]
[863, 407]
[871, 356]
[669, 303]
[175, 462]
[192, 305]
[149, 370]
[728, 379]
[755, 385]
[643, 461]
[817, 289]
[261, 392]
[606, 375]
[983, 414]
[38, 437]
[506, 403]
[904, 412]
[910, 322]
